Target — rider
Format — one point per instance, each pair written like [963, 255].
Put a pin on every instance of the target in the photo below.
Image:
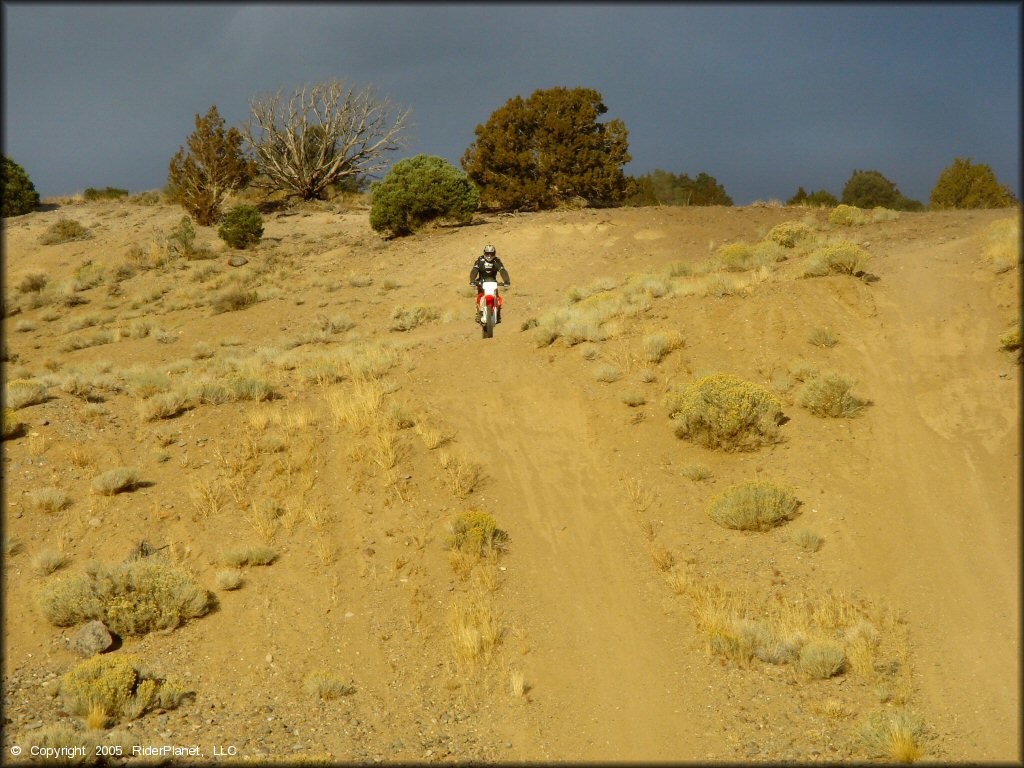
[488, 267]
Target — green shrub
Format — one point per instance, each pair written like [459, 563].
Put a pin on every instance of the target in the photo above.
[870, 189]
[755, 505]
[214, 165]
[64, 231]
[16, 189]
[476, 533]
[829, 395]
[549, 149]
[789, 234]
[183, 237]
[843, 258]
[132, 598]
[967, 185]
[820, 198]
[241, 227]
[724, 411]
[107, 193]
[120, 685]
[419, 190]
[846, 215]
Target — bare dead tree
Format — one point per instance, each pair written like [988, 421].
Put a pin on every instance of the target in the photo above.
[324, 134]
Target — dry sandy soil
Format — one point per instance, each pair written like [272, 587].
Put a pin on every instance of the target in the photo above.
[916, 500]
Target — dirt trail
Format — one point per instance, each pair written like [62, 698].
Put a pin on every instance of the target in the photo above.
[947, 529]
[608, 666]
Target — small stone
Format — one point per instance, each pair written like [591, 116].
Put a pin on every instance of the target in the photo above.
[95, 522]
[270, 658]
[91, 639]
[238, 261]
[43, 422]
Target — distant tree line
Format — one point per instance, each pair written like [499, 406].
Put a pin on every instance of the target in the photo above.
[548, 150]
[665, 188]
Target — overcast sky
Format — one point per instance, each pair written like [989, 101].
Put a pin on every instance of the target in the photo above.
[763, 97]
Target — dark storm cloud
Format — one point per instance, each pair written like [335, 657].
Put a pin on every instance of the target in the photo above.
[764, 97]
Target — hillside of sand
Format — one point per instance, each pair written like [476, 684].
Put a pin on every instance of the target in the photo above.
[331, 400]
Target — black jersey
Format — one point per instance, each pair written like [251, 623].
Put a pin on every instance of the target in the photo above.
[484, 270]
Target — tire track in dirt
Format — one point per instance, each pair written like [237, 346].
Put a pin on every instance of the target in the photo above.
[948, 528]
[611, 673]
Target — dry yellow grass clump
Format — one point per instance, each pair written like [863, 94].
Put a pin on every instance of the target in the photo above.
[1002, 244]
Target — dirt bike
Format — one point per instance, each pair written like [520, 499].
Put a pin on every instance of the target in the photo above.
[489, 312]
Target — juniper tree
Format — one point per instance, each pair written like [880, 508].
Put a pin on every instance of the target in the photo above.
[214, 165]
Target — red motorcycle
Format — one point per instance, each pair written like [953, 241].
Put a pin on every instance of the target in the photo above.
[489, 305]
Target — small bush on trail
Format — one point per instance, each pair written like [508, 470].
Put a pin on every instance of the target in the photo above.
[233, 299]
[33, 282]
[241, 227]
[64, 231]
[240, 556]
[846, 215]
[182, 239]
[724, 411]
[21, 393]
[1002, 244]
[829, 395]
[132, 598]
[12, 427]
[117, 480]
[893, 734]
[477, 533]
[324, 685]
[789, 234]
[843, 258]
[821, 660]
[120, 686]
[407, 318]
[755, 505]
[822, 337]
